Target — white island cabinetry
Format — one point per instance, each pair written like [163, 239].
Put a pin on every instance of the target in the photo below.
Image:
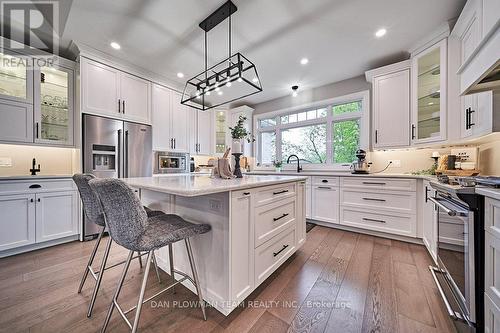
[257, 223]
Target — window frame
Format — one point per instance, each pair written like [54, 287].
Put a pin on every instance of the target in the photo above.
[363, 115]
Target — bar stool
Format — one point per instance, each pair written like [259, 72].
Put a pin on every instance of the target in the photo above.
[93, 211]
[130, 227]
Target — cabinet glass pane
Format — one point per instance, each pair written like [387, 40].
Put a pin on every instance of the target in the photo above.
[12, 76]
[429, 94]
[220, 132]
[54, 104]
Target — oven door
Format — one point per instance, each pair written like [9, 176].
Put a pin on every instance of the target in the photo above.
[454, 275]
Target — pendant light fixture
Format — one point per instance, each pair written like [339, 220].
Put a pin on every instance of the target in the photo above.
[229, 80]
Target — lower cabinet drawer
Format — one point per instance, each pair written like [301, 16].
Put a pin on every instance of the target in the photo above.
[274, 193]
[388, 184]
[37, 185]
[399, 224]
[273, 218]
[272, 253]
[403, 202]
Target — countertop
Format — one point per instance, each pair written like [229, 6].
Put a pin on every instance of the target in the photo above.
[196, 185]
[29, 177]
[489, 192]
[341, 174]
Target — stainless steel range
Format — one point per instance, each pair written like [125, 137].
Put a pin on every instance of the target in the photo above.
[459, 274]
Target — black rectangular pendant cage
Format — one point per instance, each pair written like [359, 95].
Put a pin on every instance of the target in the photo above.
[229, 80]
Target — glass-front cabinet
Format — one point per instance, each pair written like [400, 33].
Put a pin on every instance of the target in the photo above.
[54, 105]
[429, 94]
[16, 77]
[221, 131]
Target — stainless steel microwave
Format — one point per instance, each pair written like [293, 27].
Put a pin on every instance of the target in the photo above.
[169, 162]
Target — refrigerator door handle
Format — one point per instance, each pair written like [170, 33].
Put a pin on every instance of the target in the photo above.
[125, 156]
[119, 153]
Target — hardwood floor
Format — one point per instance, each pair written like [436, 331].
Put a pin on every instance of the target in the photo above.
[338, 282]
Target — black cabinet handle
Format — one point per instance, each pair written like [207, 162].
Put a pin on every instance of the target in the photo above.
[37, 130]
[123, 106]
[373, 220]
[470, 118]
[373, 183]
[119, 107]
[38, 200]
[426, 194]
[467, 118]
[376, 136]
[279, 218]
[280, 192]
[373, 199]
[324, 181]
[31, 200]
[413, 136]
[174, 143]
[325, 187]
[246, 193]
[282, 249]
[35, 186]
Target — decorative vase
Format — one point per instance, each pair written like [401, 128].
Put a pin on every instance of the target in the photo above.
[236, 147]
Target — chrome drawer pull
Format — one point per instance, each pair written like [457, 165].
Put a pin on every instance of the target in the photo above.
[373, 183]
[280, 192]
[279, 218]
[373, 220]
[276, 253]
[448, 211]
[373, 199]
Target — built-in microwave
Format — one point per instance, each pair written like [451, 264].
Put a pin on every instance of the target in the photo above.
[169, 162]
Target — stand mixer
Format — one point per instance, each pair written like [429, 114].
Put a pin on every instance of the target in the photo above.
[361, 165]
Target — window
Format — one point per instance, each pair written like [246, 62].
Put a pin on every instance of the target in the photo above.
[328, 134]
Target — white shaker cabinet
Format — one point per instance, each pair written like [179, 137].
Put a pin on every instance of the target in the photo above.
[56, 215]
[325, 203]
[391, 105]
[16, 121]
[205, 132]
[17, 224]
[16, 77]
[100, 86]
[179, 124]
[429, 220]
[134, 98]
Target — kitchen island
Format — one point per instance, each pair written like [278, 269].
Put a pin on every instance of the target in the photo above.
[257, 223]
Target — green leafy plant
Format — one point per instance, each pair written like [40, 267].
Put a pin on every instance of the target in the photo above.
[278, 164]
[239, 132]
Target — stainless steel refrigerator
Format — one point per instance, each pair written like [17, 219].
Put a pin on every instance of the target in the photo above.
[114, 149]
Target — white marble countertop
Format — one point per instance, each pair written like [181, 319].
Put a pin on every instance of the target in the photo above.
[196, 185]
[30, 177]
[489, 192]
[340, 174]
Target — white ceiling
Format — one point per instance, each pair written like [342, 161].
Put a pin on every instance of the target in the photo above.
[336, 35]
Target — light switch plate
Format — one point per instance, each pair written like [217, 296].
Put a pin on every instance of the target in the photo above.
[5, 162]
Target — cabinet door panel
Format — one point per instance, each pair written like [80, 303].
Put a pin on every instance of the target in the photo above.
[161, 118]
[391, 105]
[205, 132]
[308, 201]
[180, 118]
[16, 121]
[100, 88]
[56, 215]
[325, 202]
[16, 80]
[18, 220]
[429, 221]
[134, 94]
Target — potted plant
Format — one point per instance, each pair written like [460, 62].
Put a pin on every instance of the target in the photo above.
[240, 133]
[278, 165]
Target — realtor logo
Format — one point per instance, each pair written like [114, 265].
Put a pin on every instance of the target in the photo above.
[30, 25]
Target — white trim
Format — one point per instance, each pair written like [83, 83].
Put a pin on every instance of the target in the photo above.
[364, 116]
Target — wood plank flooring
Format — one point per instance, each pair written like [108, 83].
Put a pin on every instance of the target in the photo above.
[337, 282]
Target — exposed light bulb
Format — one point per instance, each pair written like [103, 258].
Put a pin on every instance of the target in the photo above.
[255, 80]
[217, 89]
[219, 93]
[228, 84]
[240, 79]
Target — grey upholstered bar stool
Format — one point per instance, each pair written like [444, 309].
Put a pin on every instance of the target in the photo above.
[130, 227]
[93, 211]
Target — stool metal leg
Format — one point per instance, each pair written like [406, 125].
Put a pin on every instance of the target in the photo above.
[140, 259]
[156, 267]
[99, 277]
[91, 260]
[171, 260]
[195, 277]
[141, 295]
[117, 292]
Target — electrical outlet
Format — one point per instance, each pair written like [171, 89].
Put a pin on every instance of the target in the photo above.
[215, 205]
[5, 162]
[395, 163]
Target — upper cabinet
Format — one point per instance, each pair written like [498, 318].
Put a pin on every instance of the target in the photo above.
[429, 79]
[391, 105]
[16, 77]
[36, 100]
[110, 92]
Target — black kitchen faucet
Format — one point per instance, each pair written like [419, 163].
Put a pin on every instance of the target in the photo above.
[33, 169]
[299, 168]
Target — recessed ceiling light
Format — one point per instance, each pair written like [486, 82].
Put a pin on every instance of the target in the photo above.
[304, 61]
[115, 45]
[380, 32]
[255, 80]
[294, 91]
[180, 75]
